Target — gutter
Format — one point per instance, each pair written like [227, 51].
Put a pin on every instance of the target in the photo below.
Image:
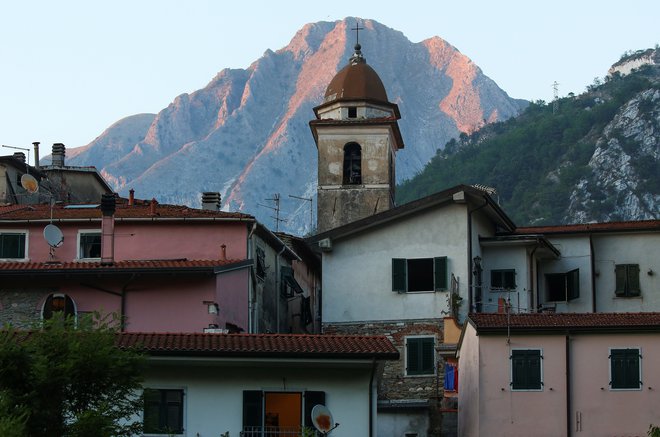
[593, 274]
[371, 398]
[568, 385]
[133, 219]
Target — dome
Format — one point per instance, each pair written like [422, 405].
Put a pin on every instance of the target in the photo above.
[356, 81]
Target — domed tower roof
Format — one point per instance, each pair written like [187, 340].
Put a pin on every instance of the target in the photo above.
[356, 81]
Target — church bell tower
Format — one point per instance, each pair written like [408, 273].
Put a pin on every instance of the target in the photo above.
[357, 136]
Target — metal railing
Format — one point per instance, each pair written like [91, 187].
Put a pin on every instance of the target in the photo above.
[276, 431]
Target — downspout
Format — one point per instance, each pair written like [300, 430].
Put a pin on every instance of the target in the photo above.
[252, 298]
[371, 397]
[568, 385]
[278, 284]
[593, 274]
[534, 291]
[469, 285]
[122, 320]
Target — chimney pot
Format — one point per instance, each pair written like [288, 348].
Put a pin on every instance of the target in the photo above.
[20, 156]
[152, 207]
[59, 150]
[108, 204]
[36, 154]
[131, 197]
[211, 200]
[224, 251]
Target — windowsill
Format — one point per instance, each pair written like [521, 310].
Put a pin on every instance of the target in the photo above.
[430, 375]
[518, 390]
[15, 260]
[88, 260]
[626, 389]
[628, 297]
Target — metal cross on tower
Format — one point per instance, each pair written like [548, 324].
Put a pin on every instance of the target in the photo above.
[357, 30]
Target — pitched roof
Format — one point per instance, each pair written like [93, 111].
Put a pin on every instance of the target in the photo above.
[471, 194]
[141, 209]
[261, 345]
[640, 225]
[96, 267]
[540, 322]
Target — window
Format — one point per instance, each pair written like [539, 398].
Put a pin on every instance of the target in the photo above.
[352, 112]
[58, 302]
[627, 280]
[562, 287]
[502, 280]
[261, 263]
[163, 411]
[419, 274]
[288, 282]
[89, 244]
[12, 245]
[352, 164]
[420, 356]
[278, 413]
[625, 369]
[526, 369]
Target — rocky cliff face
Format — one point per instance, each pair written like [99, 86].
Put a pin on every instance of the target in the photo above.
[625, 167]
[246, 133]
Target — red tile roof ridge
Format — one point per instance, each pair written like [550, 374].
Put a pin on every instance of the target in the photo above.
[565, 320]
[582, 227]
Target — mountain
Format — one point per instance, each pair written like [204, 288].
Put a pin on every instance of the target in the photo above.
[592, 157]
[246, 133]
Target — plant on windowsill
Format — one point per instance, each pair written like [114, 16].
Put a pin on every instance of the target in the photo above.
[654, 431]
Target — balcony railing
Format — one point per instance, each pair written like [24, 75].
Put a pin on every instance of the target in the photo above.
[277, 431]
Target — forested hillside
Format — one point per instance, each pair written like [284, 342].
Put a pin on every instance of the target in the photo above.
[592, 157]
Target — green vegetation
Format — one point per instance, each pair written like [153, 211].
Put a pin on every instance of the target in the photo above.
[68, 379]
[535, 160]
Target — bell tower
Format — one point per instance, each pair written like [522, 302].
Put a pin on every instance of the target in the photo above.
[357, 136]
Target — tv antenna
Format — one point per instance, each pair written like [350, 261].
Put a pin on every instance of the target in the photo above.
[555, 101]
[276, 208]
[28, 182]
[311, 209]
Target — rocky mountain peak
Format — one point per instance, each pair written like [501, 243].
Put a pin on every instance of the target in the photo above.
[246, 133]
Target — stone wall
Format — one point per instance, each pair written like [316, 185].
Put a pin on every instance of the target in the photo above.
[21, 307]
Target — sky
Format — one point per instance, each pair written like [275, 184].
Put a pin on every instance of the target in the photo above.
[71, 68]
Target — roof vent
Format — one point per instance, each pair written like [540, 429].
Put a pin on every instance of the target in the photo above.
[59, 150]
[211, 200]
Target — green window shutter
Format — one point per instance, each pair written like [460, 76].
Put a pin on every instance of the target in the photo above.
[413, 356]
[633, 280]
[428, 356]
[312, 398]
[624, 365]
[252, 408]
[399, 279]
[620, 272]
[526, 370]
[440, 269]
[573, 284]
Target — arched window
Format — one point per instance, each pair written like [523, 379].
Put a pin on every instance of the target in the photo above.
[58, 302]
[352, 164]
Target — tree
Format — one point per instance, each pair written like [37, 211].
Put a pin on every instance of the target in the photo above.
[69, 378]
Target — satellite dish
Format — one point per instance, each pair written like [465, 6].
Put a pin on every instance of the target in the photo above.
[322, 419]
[53, 235]
[29, 183]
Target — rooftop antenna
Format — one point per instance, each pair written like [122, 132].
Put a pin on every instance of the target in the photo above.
[311, 209]
[28, 182]
[555, 102]
[276, 199]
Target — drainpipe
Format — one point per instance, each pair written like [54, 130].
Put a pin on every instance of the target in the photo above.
[469, 224]
[108, 229]
[568, 385]
[593, 274]
[278, 284]
[36, 154]
[122, 321]
[533, 292]
[252, 298]
[371, 397]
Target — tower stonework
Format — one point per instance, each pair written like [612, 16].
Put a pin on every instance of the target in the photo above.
[357, 136]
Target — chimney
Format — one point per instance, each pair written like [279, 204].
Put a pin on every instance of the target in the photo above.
[152, 206]
[19, 156]
[108, 204]
[59, 150]
[224, 251]
[36, 154]
[131, 197]
[211, 200]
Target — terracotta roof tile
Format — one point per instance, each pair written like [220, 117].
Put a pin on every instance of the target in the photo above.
[560, 321]
[260, 345]
[182, 264]
[141, 209]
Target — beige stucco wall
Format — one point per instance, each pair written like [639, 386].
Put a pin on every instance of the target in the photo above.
[468, 384]
[357, 274]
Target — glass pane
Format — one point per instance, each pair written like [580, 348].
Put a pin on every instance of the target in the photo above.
[420, 274]
[12, 245]
[90, 245]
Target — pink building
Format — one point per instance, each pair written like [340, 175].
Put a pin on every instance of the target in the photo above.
[559, 374]
[163, 268]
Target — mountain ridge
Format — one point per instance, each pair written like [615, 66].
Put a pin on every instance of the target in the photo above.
[246, 135]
